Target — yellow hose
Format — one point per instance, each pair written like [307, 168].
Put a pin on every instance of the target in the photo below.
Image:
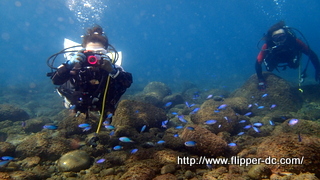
[104, 100]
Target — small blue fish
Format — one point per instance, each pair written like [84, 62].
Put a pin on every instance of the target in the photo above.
[99, 161]
[174, 113]
[143, 128]
[84, 125]
[168, 104]
[117, 148]
[164, 124]
[256, 129]
[190, 128]
[242, 121]
[226, 118]
[264, 95]
[219, 126]
[133, 151]
[161, 142]
[209, 166]
[137, 111]
[293, 122]
[248, 114]
[3, 163]
[125, 139]
[109, 115]
[247, 127]
[7, 158]
[111, 133]
[190, 143]
[195, 110]
[50, 127]
[72, 107]
[86, 129]
[257, 124]
[271, 122]
[260, 107]
[178, 127]
[273, 106]
[240, 133]
[210, 122]
[106, 123]
[187, 104]
[209, 96]
[222, 107]
[23, 124]
[109, 127]
[232, 144]
[250, 105]
[176, 135]
[216, 111]
[181, 118]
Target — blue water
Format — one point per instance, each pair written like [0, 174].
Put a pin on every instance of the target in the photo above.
[211, 43]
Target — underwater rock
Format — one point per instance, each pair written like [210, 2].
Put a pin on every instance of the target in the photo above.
[207, 143]
[166, 177]
[36, 124]
[302, 176]
[6, 149]
[137, 114]
[157, 89]
[279, 92]
[153, 94]
[168, 168]
[303, 127]
[139, 171]
[13, 113]
[27, 175]
[166, 156]
[75, 161]
[259, 171]
[226, 118]
[70, 124]
[174, 99]
[30, 162]
[287, 145]
[43, 145]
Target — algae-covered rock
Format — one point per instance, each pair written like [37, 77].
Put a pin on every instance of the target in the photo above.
[6, 149]
[259, 171]
[287, 145]
[278, 91]
[137, 114]
[42, 145]
[153, 94]
[13, 113]
[75, 161]
[207, 143]
[226, 118]
[157, 89]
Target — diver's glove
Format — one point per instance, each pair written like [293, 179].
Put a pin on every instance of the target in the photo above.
[108, 66]
[262, 85]
[76, 60]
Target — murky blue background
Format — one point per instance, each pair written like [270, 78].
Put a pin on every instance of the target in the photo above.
[208, 43]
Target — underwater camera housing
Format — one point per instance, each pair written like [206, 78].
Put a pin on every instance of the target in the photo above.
[92, 58]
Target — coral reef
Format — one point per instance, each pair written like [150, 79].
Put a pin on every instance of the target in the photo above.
[217, 124]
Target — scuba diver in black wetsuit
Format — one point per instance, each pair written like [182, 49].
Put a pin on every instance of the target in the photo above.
[89, 73]
[283, 49]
